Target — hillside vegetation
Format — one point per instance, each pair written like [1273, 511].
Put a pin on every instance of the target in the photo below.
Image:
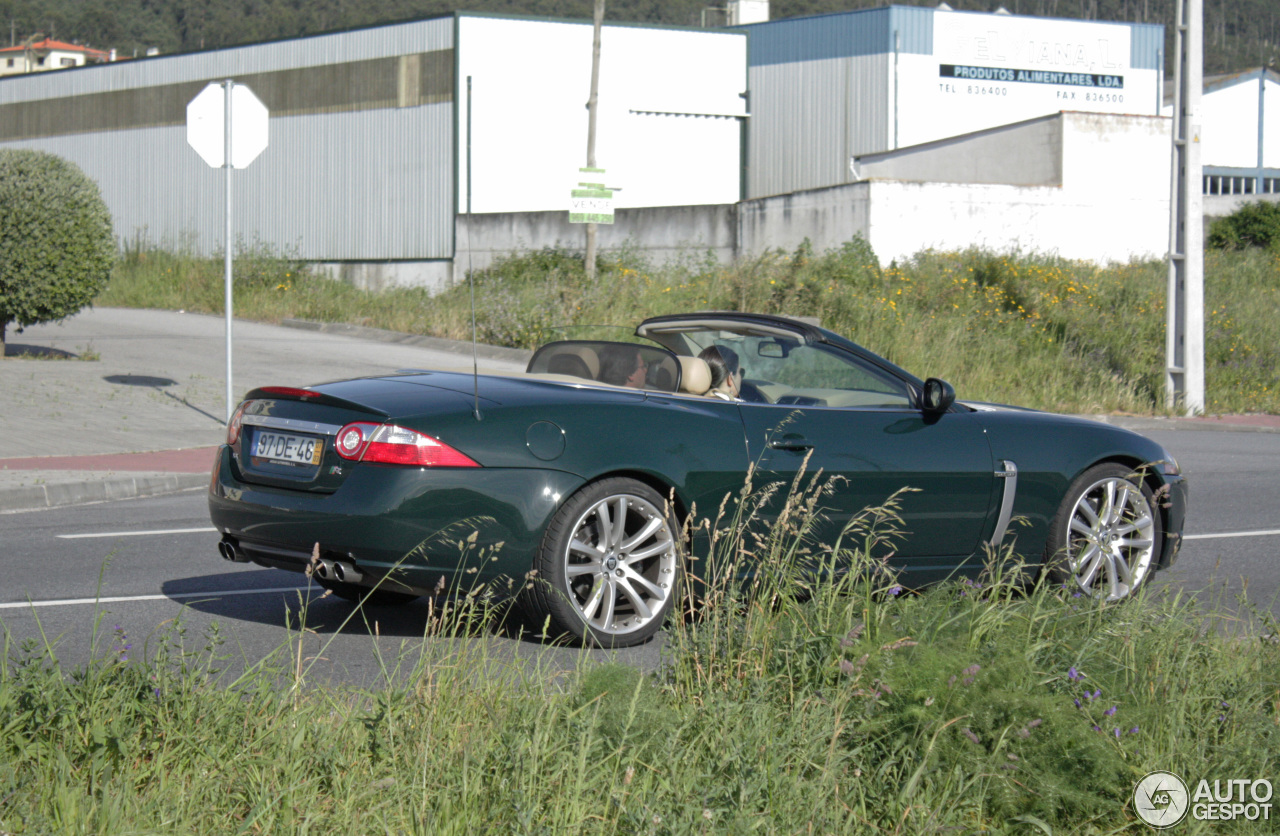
[1238, 33]
[1033, 330]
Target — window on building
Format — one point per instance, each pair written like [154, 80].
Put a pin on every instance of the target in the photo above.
[9, 63]
[39, 62]
[69, 62]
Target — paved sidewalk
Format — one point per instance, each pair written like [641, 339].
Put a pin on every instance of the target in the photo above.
[146, 415]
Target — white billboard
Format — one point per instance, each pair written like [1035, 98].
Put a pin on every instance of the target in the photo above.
[989, 70]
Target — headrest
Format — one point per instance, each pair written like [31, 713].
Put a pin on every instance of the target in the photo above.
[695, 375]
[588, 355]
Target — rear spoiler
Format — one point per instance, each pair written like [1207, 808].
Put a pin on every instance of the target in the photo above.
[294, 393]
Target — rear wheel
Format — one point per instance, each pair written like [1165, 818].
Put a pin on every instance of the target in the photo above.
[1105, 537]
[610, 564]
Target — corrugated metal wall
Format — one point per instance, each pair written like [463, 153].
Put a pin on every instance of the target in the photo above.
[822, 92]
[1146, 46]
[809, 118]
[360, 161]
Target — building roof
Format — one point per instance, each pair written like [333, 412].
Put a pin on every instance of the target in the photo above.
[50, 45]
[1224, 80]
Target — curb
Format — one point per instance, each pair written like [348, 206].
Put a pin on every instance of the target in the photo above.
[462, 347]
[1139, 423]
[37, 497]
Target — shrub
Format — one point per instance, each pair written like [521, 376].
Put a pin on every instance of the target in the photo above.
[1252, 225]
[56, 244]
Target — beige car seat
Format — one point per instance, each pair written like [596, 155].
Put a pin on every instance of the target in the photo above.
[695, 375]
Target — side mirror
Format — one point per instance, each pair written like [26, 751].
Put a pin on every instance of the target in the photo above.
[938, 396]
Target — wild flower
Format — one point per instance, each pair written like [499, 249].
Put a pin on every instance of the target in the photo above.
[122, 645]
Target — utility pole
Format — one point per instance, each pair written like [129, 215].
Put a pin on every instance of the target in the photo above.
[1184, 330]
[592, 107]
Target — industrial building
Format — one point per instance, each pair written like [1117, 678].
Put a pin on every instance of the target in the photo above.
[373, 132]
[912, 127]
[828, 88]
[1240, 139]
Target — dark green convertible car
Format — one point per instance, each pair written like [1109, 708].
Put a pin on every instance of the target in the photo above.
[582, 469]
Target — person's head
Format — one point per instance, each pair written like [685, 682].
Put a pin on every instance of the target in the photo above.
[725, 374]
[625, 367]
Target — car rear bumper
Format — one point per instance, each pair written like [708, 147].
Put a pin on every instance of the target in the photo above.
[417, 525]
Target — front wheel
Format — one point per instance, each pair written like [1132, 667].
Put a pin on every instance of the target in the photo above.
[610, 563]
[1105, 537]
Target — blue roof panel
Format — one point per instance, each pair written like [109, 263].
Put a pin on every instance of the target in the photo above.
[840, 35]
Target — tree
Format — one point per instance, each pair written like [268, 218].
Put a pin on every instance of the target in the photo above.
[56, 244]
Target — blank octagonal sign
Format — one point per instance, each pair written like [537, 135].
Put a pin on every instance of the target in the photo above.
[206, 126]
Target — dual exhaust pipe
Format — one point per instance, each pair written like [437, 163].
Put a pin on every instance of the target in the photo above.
[337, 570]
[230, 551]
[325, 568]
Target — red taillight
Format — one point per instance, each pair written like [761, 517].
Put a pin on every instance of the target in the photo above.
[389, 444]
[352, 439]
[289, 391]
[233, 426]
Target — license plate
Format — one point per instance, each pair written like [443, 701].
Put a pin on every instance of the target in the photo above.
[283, 447]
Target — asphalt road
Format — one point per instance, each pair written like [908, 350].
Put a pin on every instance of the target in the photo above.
[52, 573]
[141, 564]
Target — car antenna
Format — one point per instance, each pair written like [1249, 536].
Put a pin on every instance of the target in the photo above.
[471, 280]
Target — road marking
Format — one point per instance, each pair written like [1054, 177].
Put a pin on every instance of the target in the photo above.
[65, 602]
[1267, 533]
[137, 533]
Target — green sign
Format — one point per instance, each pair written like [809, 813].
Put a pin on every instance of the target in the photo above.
[591, 202]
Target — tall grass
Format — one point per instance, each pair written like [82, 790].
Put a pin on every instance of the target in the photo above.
[818, 698]
[1034, 330]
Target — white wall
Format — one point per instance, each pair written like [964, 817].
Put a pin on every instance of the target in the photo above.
[932, 104]
[1229, 117]
[1271, 125]
[669, 113]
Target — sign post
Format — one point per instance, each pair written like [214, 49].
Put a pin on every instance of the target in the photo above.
[227, 127]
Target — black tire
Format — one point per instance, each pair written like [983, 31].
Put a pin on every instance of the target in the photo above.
[374, 597]
[606, 578]
[1105, 539]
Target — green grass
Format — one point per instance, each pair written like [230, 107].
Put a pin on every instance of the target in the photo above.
[1033, 330]
[790, 705]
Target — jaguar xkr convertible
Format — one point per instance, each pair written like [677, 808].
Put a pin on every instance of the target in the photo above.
[579, 473]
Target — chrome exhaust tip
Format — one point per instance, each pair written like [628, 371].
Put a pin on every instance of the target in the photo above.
[230, 551]
[346, 573]
[324, 569]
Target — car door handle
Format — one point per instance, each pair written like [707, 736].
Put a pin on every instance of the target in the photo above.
[794, 443]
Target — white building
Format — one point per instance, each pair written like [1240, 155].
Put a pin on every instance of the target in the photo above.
[48, 54]
[1240, 138]
[828, 88]
[373, 132]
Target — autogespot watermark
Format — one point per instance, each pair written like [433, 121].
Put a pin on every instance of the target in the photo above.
[1162, 799]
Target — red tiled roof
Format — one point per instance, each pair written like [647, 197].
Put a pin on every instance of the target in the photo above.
[48, 44]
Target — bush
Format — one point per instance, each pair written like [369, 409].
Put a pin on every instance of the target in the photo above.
[56, 244]
[1252, 225]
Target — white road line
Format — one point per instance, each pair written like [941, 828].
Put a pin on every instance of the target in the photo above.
[137, 533]
[1267, 533]
[65, 602]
